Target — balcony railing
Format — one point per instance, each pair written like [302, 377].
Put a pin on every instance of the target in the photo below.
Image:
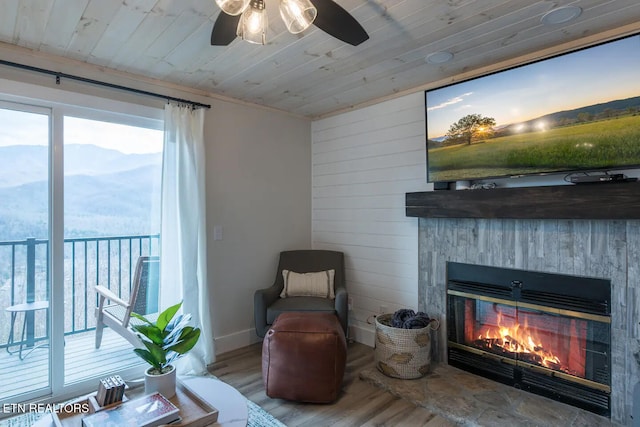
[24, 277]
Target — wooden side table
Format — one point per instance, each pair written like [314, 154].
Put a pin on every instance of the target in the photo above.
[231, 405]
[23, 308]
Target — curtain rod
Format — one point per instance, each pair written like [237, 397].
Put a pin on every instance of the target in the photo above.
[59, 75]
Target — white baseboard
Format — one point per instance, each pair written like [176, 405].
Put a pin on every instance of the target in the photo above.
[366, 336]
[247, 337]
[236, 340]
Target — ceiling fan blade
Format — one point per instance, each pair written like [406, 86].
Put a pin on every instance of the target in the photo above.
[224, 29]
[337, 22]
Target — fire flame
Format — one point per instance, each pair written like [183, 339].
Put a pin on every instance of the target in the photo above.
[520, 339]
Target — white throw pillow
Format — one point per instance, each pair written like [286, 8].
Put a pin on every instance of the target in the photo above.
[316, 284]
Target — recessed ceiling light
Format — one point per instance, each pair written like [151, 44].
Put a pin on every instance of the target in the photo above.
[561, 15]
[439, 57]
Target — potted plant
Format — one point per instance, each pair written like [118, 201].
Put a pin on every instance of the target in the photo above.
[166, 340]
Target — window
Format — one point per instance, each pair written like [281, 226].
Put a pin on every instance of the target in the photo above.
[80, 187]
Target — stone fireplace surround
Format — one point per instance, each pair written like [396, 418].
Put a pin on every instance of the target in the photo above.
[608, 249]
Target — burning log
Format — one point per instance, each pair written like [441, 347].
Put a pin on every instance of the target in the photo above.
[512, 348]
[532, 358]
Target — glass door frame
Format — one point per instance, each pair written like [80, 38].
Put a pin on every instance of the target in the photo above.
[60, 103]
[25, 107]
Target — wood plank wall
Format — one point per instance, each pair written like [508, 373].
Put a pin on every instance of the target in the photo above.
[363, 163]
[596, 248]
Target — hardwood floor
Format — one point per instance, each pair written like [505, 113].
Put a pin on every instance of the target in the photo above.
[360, 404]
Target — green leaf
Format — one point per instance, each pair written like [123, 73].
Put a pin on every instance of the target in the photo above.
[187, 342]
[147, 357]
[151, 332]
[188, 333]
[157, 354]
[166, 316]
[140, 317]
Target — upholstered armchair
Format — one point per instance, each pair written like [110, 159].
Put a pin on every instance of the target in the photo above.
[268, 304]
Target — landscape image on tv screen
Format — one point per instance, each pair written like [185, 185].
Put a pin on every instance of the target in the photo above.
[574, 112]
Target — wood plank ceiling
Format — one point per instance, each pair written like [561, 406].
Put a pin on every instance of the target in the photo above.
[310, 74]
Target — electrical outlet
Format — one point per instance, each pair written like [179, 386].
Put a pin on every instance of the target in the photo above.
[384, 309]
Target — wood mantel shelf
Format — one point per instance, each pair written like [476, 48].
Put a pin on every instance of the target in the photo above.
[620, 200]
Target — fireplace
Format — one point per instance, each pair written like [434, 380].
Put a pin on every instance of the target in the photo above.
[546, 333]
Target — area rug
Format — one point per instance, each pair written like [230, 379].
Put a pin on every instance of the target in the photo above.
[258, 417]
[24, 420]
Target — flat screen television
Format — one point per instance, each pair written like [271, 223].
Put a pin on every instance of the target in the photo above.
[578, 111]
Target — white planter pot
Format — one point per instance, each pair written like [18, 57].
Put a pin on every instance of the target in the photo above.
[163, 383]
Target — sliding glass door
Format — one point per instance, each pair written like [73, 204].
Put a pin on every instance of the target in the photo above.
[25, 139]
[79, 204]
[111, 217]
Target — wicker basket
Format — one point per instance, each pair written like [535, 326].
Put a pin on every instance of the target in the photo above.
[402, 353]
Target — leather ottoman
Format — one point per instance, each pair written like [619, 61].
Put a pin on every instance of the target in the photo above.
[304, 357]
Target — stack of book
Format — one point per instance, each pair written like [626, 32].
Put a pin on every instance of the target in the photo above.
[110, 390]
[147, 411]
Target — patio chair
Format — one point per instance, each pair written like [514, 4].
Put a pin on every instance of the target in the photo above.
[143, 300]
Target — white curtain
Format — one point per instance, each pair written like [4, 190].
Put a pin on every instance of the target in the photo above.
[183, 272]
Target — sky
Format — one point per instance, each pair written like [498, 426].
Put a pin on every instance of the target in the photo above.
[598, 74]
[22, 128]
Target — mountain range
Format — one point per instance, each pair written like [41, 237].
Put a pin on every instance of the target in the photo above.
[20, 164]
[618, 105]
[106, 192]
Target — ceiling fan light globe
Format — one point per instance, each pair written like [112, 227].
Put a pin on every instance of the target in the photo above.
[298, 15]
[233, 7]
[252, 26]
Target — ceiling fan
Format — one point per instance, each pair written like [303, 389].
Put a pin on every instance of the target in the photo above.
[247, 19]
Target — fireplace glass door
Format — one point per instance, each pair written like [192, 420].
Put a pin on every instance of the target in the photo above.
[531, 346]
